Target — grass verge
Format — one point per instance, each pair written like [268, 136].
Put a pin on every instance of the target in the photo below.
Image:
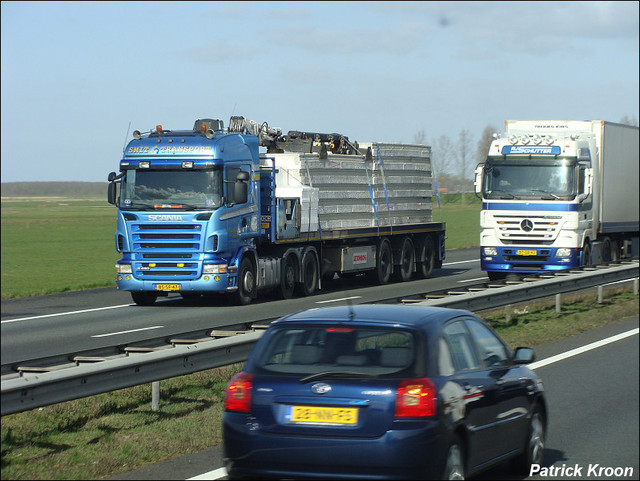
[115, 432]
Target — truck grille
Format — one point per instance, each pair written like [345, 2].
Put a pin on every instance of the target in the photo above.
[532, 230]
[167, 251]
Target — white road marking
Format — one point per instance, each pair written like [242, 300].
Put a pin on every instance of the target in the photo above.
[127, 332]
[67, 313]
[338, 300]
[474, 280]
[215, 474]
[580, 350]
[460, 262]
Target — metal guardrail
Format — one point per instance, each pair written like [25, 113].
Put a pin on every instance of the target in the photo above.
[35, 390]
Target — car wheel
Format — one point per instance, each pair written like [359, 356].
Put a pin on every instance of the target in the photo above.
[534, 448]
[454, 467]
[144, 298]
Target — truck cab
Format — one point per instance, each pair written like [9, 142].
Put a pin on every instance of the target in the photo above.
[188, 209]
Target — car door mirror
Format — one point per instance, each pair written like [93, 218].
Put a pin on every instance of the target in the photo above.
[524, 355]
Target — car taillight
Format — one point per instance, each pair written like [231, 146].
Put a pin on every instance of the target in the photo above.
[238, 395]
[416, 398]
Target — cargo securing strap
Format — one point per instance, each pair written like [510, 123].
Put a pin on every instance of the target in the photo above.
[384, 184]
[306, 166]
[373, 200]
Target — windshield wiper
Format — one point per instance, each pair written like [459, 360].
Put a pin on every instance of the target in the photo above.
[546, 192]
[140, 206]
[505, 194]
[323, 374]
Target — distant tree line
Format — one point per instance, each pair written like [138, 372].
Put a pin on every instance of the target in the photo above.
[46, 189]
[454, 161]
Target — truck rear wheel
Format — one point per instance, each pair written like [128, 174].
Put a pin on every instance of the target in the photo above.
[309, 280]
[144, 298]
[425, 266]
[384, 262]
[407, 258]
[288, 279]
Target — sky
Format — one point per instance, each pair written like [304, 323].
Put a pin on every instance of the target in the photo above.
[77, 78]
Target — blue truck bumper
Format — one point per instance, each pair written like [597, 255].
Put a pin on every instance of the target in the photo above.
[523, 259]
[206, 283]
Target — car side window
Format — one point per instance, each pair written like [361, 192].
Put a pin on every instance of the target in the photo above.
[460, 346]
[492, 351]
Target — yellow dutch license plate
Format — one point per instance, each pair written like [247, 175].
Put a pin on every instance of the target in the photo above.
[527, 253]
[321, 415]
[167, 287]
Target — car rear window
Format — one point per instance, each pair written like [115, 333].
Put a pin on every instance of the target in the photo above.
[361, 349]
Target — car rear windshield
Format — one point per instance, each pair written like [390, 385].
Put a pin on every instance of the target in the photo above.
[307, 350]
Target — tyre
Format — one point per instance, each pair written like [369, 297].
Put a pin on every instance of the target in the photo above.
[585, 260]
[425, 266]
[309, 280]
[384, 263]
[454, 466]
[144, 298]
[407, 259]
[246, 283]
[533, 451]
[288, 279]
[496, 276]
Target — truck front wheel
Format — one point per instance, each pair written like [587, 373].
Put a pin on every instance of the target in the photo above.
[246, 283]
[144, 298]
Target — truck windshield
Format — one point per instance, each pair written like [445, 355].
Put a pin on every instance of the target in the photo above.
[545, 179]
[182, 189]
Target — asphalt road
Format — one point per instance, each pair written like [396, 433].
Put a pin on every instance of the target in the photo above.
[593, 414]
[52, 325]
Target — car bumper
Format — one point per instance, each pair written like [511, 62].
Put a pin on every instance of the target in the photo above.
[410, 450]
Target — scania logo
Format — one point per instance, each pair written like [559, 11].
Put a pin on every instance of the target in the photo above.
[526, 225]
[164, 217]
[320, 388]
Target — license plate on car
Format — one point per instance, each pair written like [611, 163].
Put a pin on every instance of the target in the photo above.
[527, 253]
[321, 415]
[167, 287]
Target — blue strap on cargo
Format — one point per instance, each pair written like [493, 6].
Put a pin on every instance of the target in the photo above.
[384, 184]
[306, 165]
[373, 201]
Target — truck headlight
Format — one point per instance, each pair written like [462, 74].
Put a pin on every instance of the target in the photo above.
[214, 269]
[123, 268]
[490, 251]
[563, 252]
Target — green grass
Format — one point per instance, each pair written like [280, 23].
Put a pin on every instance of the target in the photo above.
[111, 433]
[54, 244]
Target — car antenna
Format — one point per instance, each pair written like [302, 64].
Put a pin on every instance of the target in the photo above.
[352, 314]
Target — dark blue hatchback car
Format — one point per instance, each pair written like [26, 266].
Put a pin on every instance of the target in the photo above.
[382, 392]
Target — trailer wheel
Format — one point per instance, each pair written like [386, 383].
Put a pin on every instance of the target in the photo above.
[407, 258]
[309, 280]
[384, 262]
[144, 298]
[425, 266]
[288, 280]
[246, 283]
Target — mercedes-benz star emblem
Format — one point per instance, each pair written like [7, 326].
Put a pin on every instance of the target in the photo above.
[526, 225]
[320, 388]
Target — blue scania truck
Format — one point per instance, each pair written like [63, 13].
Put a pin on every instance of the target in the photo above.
[244, 210]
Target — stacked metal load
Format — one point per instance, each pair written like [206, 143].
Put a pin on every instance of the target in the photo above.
[395, 187]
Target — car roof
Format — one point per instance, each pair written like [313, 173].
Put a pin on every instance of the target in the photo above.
[398, 315]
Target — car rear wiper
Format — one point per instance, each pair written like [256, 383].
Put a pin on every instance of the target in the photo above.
[323, 374]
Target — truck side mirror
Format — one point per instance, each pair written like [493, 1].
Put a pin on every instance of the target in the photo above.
[111, 193]
[477, 182]
[240, 188]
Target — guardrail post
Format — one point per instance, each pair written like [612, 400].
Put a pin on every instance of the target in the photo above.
[558, 303]
[600, 294]
[507, 314]
[155, 396]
